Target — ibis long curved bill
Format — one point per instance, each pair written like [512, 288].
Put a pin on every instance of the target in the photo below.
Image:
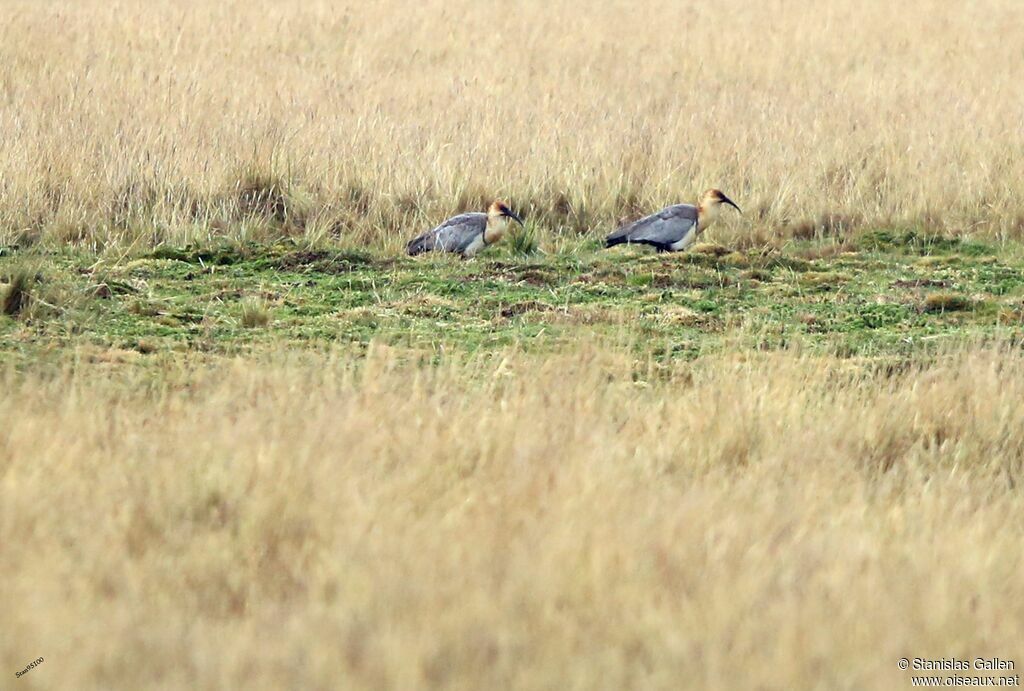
[674, 228]
[510, 214]
[726, 200]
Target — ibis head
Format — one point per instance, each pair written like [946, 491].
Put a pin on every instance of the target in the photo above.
[710, 205]
[498, 215]
[499, 210]
[714, 198]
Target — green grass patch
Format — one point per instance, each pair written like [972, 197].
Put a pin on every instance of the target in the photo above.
[883, 299]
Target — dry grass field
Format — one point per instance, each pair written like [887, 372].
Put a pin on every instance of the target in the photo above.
[582, 521]
[170, 121]
[246, 444]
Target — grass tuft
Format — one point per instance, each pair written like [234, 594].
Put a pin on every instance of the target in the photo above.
[946, 302]
[262, 195]
[255, 313]
[17, 294]
[710, 249]
[523, 241]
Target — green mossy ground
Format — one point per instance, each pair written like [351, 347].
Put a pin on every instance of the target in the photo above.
[886, 296]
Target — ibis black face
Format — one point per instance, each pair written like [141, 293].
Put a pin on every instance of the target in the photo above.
[726, 200]
[513, 217]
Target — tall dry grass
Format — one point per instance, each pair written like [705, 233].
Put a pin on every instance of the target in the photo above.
[144, 122]
[578, 522]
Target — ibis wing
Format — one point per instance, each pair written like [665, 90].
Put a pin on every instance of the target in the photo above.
[669, 225]
[454, 235]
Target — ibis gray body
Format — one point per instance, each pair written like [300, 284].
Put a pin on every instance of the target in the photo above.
[674, 228]
[465, 234]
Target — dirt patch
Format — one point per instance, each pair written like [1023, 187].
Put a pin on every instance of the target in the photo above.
[609, 276]
[536, 277]
[580, 315]
[756, 275]
[320, 261]
[518, 308]
[678, 315]
[425, 305]
[920, 283]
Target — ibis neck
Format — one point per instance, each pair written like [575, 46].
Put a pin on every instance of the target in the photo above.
[496, 226]
[706, 215]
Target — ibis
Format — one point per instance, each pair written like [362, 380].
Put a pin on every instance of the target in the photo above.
[466, 234]
[674, 228]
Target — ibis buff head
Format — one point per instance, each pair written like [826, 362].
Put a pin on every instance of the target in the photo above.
[710, 204]
[498, 218]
